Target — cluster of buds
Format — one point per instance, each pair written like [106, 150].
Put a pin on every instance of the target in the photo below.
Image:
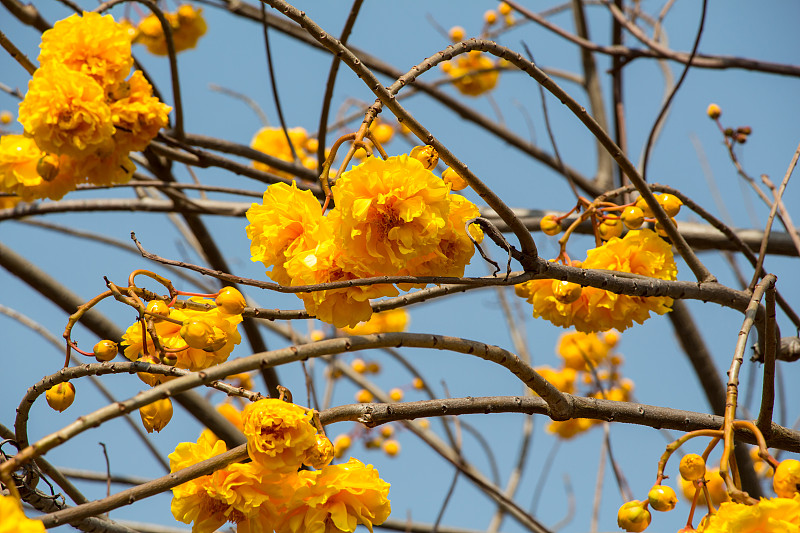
[738, 135]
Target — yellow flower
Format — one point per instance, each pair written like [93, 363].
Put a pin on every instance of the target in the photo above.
[13, 520]
[19, 157]
[137, 114]
[384, 322]
[786, 482]
[279, 434]
[473, 73]
[109, 164]
[775, 515]
[92, 44]
[239, 493]
[156, 415]
[272, 141]
[188, 25]
[338, 498]
[281, 226]
[640, 252]
[566, 429]
[715, 484]
[563, 380]
[326, 262]
[66, 111]
[391, 211]
[575, 348]
[169, 335]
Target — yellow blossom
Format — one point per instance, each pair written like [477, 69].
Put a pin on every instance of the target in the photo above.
[169, 336]
[715, 484]
[383, 322]
[566, 429]
[563, 380]
[392, 211]
[279, 434]
[577, 347]
[92, 44]
[272, 141]
[109, 164]
[156, 415]
[640, 252]
[13, 519]
[239, 493]
[472, 73]
[187, 25]
[774, 515]
[137, 114]
[338, 498]
[231, 414]
[281, 226]
[19, 157]
[66, 111]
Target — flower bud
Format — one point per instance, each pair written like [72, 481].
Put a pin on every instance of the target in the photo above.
[358, 365]
[457, 183]
[633, 516]
[692, 467]
[198, 334]
[391, 447]
[230, 302]
[641, 204]
[746, 130]
[60, 396]
[670, 203]
[427, 155]
[6, 117]
[786, 480]
[660, 227]
[159, 308]
[341, 444]
[550, 225]
[396, 394]
[741, 138]
[566, 292]
[504, 8]
[418, 383]
[713, 111]
[320, 455]
[156, 416]
[364, 396]
[609, 228]
[387, 431]
[383, 133]
[633, 217]
[457, 34]
[662, 498]
[105, 350]
[170, 358]
[48, 166]
[490, 17]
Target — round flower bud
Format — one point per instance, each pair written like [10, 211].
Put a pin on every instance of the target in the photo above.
[48, 166]
[670, 203]
[427, 155]
[359, 365]
[457, 33]
[786, 480]
[341, 444]
[320, 455]
[373, 367]
[741, 138]
[490, 17]
[609, 228]
[170, 358]
[383, 133]
[396, 394]
[312, 145]
[230, 302]
[6, 117]
[633, 516]
[641, 204]
[197, 334]
[633, 217]
[611, 338]
[550, 225]
[418, 383]
[660, 228]
[566, 292]
[105, 350]
[391, 447]
[747, 130]
[364, 396]
[156, 416]
[662, 498]
[387, 431]
[692, 467]
[457, 183]
[158, 307]
[713, 111]
[504, 8]
[60, 396]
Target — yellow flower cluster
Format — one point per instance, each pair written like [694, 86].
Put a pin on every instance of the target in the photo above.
[13, 520]
[586, 357]
[187, 25]
[81, 116]
[269, 494]
[196, 339]
[590, 309]
[392, 217]
[272, 141]
[773, 515]
[383, 322]
[472, 73]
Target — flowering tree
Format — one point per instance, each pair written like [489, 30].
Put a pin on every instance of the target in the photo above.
[374, 217]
